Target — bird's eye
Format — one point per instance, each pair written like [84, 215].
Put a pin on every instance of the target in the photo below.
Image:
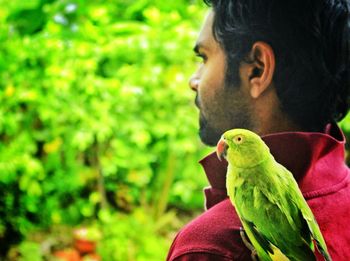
[238, 139]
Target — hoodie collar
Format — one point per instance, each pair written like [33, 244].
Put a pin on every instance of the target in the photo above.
[315, 159]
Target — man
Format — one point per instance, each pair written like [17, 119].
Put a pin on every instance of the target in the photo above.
[279, 68]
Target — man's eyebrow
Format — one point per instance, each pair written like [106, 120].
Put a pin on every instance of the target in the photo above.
[198, 46]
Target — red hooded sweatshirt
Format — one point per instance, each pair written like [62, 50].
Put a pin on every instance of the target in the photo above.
[317, 163]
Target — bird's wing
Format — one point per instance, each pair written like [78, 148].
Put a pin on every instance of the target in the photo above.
[306, 213]
[312, 225]
[288, 231]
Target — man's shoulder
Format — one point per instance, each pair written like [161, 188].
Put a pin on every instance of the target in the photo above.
[221, 217]
[216, 231]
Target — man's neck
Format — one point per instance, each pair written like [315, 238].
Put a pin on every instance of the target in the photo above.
[268, 116]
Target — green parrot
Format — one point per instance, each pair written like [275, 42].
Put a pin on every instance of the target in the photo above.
[273, 211]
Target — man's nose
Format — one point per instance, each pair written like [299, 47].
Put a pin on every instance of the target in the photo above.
[194, 82]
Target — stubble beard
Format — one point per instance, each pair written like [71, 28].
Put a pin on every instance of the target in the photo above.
[208, 135]
[234, 112]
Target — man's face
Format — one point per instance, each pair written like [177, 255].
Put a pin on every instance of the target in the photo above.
[222, 106]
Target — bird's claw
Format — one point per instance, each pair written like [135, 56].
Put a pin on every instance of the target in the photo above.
[248, 245]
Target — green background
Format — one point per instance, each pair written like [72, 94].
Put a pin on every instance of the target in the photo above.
[97, 124]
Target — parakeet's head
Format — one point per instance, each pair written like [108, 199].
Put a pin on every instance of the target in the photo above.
[242, 148]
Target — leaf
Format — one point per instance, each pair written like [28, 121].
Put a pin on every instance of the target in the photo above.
[28, 21]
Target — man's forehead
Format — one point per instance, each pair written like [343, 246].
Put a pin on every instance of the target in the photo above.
[205, 38]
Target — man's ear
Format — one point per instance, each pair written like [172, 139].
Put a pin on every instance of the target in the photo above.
[262, 68]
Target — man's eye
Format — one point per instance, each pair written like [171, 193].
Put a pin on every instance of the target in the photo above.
[203, 57]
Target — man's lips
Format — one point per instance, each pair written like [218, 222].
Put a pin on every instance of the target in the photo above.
[196, 102]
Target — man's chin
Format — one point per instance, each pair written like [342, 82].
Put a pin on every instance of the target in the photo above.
[208, 137]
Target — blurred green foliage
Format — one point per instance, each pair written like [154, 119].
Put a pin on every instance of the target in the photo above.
[96, 114]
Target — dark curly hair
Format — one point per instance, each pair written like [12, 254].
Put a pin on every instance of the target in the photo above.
[310, 39]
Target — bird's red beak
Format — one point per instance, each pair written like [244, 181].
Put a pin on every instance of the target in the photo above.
[221, 149]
